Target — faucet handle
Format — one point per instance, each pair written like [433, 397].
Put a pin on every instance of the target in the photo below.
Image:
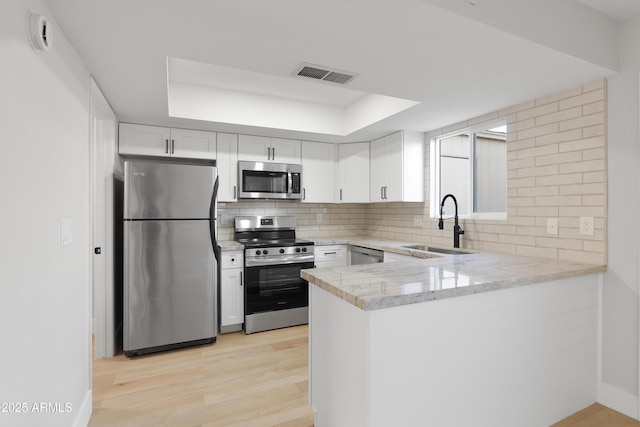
[441, 224]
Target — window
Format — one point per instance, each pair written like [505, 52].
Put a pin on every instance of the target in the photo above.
[471, 164]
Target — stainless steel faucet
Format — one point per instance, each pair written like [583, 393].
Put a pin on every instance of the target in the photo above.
[457, 230]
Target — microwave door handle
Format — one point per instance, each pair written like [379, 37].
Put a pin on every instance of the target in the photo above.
[289, 182]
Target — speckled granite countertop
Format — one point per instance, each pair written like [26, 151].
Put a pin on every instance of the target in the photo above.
[438, 276]
[230, 245]
[380, 244]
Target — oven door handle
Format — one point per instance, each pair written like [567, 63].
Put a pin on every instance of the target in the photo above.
[278, 260]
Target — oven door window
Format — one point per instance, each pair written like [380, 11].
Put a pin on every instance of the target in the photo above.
[264, 182]
[275, 287]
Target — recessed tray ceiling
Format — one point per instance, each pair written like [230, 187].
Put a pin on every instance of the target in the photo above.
[214, 93]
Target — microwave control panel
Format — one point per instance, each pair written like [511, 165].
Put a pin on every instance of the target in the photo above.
[295, 183]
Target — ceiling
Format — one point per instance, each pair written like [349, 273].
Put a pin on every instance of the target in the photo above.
[618, 9]
[457, 59]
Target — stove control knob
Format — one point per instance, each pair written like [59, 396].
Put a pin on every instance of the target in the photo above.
[265, 252]
[304, 249]
[281, 251]
[258, 252]
[297, 249]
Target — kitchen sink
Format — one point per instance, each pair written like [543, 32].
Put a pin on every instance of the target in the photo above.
[437, 250]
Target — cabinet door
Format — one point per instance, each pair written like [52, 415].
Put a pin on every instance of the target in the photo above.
[394, 168]
[330, 256]
[231, 297]
[227, 161]
[353, 173]
[144, 140]
[377, 170]
[254, 148]
[285, 151]
[318, 172]
[193, 144]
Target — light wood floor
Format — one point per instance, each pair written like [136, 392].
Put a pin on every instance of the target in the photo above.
[242, 380]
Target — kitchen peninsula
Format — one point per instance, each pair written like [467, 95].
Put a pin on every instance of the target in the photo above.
[453, 340]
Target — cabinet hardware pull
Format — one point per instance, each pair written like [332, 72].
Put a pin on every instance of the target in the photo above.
[173, 146]
[268, 153]
[273, 153]
[241, 278]
[341, 194]
[166, 146]
[330, 253]
[382, 193]
[304, 194]
[234, 192]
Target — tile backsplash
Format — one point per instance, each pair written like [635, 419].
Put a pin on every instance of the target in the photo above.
[556, 151]
[313, 219]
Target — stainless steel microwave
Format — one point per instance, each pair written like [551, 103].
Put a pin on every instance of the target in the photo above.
[258, 180]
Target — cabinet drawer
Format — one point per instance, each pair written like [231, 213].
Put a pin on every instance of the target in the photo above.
[335, 253]
[232, 260]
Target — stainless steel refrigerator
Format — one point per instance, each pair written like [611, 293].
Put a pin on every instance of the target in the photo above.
[170, 255]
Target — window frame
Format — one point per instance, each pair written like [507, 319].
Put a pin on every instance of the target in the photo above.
[435, 167]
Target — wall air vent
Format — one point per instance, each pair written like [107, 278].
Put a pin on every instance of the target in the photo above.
[326, 74]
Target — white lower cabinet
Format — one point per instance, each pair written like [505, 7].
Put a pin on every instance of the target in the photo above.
[330, 256]
[231, 291]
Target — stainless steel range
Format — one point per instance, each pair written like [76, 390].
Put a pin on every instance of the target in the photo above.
[275, 294]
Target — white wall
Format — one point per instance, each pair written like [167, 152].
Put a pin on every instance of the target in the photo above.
[44, 170]
[619, 388]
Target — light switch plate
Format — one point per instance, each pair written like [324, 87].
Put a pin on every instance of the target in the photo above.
[66, 232]
[586, 226]
[552, 226]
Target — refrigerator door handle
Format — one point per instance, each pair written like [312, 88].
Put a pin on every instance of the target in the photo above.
[213, 218]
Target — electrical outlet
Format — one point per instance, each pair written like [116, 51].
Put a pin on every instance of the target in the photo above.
[319, 218]
[586, 225]
[417, 220]
[552, 226]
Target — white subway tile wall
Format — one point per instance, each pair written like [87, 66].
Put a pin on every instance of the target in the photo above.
[556, 151]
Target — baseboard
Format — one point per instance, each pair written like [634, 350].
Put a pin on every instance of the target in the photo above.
[618, 400]
[84, 412]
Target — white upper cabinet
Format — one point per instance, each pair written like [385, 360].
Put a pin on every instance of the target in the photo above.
[318, 172]
[227, 161]
[353, 173]
[397, 168]
[193, 144]
[142, 140]
[271, 150]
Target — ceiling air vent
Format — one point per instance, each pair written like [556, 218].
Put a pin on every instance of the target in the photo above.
[326, 74]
